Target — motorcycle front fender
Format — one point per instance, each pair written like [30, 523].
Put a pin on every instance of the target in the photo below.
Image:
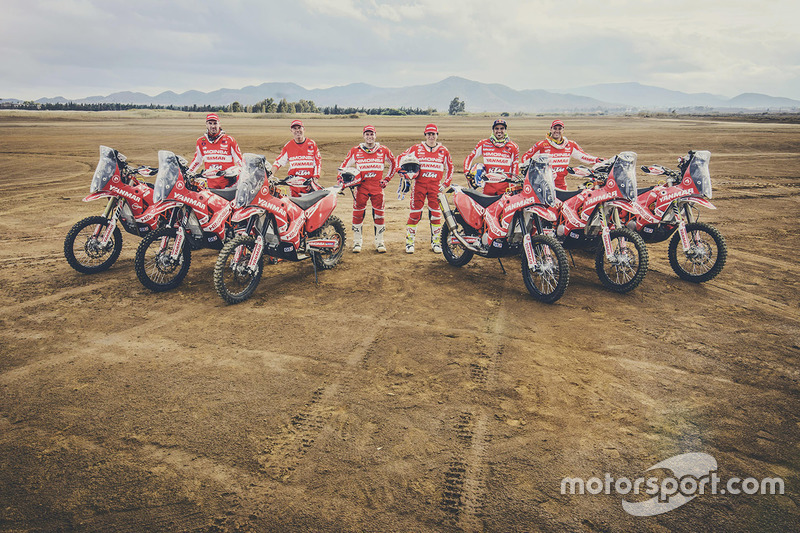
[246, 212]
[699, 201]
[98, 195]
[543, 212]
[155, 210]
[628, 207]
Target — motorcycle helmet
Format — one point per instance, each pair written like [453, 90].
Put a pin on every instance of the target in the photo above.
[476, 174]
[409, 165]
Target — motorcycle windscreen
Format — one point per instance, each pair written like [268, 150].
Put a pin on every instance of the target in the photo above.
[106, 168]
[624, 172]
[169, 172]
[251, 179]
[698, 170]
[540, 177]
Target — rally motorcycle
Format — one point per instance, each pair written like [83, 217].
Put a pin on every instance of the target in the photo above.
[590, 218]
[93, 244]
[508, 225]
[669, 210]
[280, 227]
[196, 218]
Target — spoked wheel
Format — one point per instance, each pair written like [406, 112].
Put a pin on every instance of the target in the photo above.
[453, 251]
[549, 278]
[154, 267]
[704, 259]
[333, 230]
[234, 280]
[83, 249]
[627, 267]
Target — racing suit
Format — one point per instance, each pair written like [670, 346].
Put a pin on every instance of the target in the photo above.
[435, 165]
[370, 164]
[497, 157]
[560, 154]
[304, 163]
[220, 153]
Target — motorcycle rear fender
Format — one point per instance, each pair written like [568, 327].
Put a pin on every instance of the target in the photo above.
[469, 210]
[246, 212]
[319, 213]
[699, 200]
[155, 210]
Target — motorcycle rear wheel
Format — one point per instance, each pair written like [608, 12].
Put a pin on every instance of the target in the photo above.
[455, 254]
[629, 268]
[705, 259]
[153, 266]
[550, 278]
[233, 282]
[82, 249]
[332, 229]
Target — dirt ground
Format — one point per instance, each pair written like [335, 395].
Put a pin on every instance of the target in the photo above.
[401, 394]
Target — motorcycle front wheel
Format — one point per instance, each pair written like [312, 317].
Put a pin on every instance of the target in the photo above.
[454, 252]
[548, 280]
[333, 229]
[232, 279]
[83, 249]
[155, 268]
[628, 265]
[706, 257]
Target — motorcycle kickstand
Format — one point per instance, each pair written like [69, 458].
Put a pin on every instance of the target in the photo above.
[501, 266]
[570, 256]
[313, 262]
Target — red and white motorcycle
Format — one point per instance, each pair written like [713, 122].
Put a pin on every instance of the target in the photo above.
[283, 227]
[93, 244]
[507, 225]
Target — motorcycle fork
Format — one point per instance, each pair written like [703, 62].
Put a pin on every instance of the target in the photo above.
[606, 233]
[111, 213]
[685, 240]
[252, 264]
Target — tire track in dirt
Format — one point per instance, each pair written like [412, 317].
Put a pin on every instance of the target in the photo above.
[464, 488]
[41, 301]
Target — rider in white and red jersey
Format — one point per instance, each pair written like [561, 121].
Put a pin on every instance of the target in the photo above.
[370, 158]
[561, 150]
[302, 155]
[216, 150]
[500, 155]
[435, 167]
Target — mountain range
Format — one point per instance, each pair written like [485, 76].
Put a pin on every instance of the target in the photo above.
[479, 97]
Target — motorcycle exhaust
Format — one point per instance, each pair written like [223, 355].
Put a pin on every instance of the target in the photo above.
[451, 222]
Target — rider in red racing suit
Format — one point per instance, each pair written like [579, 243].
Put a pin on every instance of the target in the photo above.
[370, 159]
[216, 150]
[302, 155]
[500, 155]
[561, 150]
[435, 165]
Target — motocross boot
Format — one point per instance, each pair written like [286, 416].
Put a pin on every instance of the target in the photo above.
[436, 238]
[379, 230]
[356, 238]
[411, 232]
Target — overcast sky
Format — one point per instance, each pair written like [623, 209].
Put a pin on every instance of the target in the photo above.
[79, 48]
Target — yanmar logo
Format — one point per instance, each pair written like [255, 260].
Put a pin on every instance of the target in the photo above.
[122, 192]
[190, 201]
[602, 198]
[272, 207]
[672, 196]
[521, 203]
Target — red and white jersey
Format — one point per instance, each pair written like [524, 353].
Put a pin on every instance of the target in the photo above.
[435, 164]
[303, 158]
[560, 154]
[371, 163]
[496, 158]
[221, 154]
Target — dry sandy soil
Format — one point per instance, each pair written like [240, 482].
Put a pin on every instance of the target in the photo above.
[401, 394]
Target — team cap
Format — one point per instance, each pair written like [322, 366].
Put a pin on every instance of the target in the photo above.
[500, 122]
[212, 116]
[296, 123]
[431, 128]
[369, 128]
[557, 123]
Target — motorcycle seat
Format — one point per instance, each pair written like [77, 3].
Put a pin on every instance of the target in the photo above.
[484, 200]
[229, 193]
[307, 200]
[566, 195]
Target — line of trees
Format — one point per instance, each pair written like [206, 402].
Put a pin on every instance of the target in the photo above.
[268, 105]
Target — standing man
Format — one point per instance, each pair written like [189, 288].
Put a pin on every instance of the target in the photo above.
[304, 160]
[500, 156]
[435, 165]
[216, 150]
[561, 150]
[370, 158]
